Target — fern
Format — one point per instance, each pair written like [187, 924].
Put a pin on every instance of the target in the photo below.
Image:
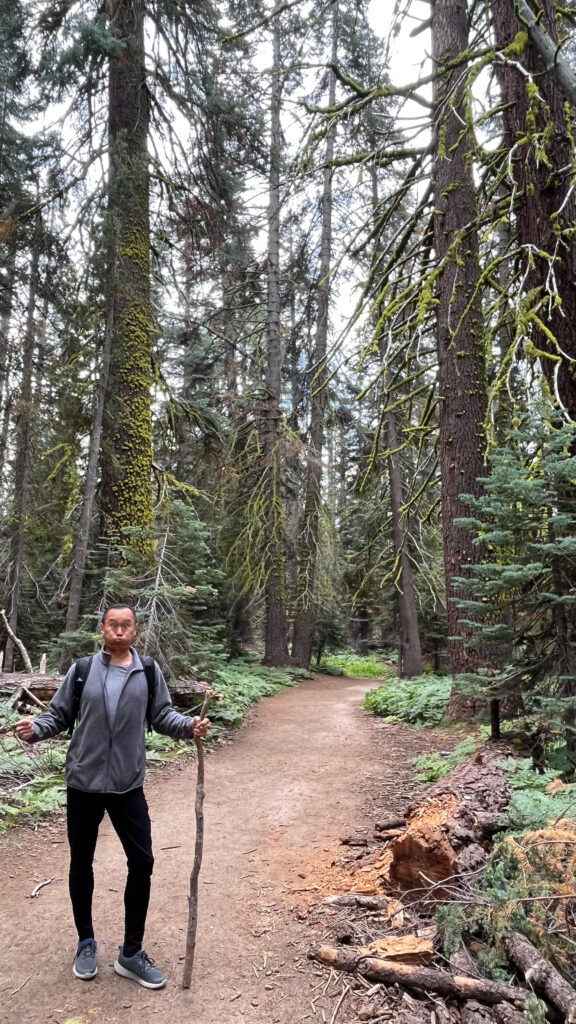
[420, 701]
[531, 807]
[432, 767]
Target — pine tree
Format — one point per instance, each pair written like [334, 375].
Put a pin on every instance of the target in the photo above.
[460, 327]
[522, 611]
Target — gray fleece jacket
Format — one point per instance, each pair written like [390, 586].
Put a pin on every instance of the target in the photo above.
[103, 758]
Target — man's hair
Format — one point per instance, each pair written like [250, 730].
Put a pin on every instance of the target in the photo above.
[117, 607]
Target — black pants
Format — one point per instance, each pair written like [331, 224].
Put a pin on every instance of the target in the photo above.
[129, 815]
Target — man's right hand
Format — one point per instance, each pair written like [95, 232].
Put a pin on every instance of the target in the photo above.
[23, 729]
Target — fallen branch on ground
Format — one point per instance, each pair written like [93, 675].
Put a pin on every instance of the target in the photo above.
[540, 973]
[353, 899]
[421, 979]
[24, 695]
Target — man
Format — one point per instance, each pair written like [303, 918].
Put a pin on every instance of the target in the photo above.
[105, 772]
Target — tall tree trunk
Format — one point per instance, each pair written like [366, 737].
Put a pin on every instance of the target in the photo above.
[17, 525]
[410, 652]
[83, 535]
[409, 647]
[276, 651]
[126, 497]
[304, 621]
[6, 397]
[293, 472]
[541, 143]
[460, 335]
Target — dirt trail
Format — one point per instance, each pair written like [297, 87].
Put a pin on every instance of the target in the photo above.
[305, 770]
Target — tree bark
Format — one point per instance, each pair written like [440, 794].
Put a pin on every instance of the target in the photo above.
[540, 974]
[474, 1013]
[304, 622]
[540, 141]
[82, 537]
[547, 46]
[460, 330]
[409, 647]
[410, 651]
[17, 525]
[276, 640]
[6, 306]
[126, 492]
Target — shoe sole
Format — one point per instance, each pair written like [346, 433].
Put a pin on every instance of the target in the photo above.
[125, 973]
[84, 977]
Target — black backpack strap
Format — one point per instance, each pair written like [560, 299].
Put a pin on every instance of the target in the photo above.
[81, 672]
[149, 666]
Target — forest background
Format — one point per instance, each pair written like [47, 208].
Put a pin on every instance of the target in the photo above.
[287, 349]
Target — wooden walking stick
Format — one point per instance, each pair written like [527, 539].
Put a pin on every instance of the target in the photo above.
[209, 696]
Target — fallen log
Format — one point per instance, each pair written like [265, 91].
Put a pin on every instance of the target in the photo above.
[420, 979]
[448, 830]
[184, 692]
[542, 976]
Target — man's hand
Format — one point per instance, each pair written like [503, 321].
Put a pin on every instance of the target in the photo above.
[24, 730]
[200, 727]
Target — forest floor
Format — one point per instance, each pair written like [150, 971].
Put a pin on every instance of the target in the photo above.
[309, 767]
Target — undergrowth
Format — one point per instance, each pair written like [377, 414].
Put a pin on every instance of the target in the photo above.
[421, 701]
[350, 664]
[528, 883]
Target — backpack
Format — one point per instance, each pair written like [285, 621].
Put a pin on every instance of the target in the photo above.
[82, 671]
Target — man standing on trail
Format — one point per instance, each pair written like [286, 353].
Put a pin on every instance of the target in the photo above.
[105, 772]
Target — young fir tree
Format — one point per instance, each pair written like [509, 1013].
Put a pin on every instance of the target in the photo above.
[523, 608]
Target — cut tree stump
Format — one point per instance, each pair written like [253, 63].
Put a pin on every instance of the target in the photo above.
[448, 831]
[420, 979]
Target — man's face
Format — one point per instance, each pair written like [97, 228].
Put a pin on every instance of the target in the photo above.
[118, 629]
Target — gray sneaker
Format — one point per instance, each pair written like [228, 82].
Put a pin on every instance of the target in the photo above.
[85, 966]
[140, 968]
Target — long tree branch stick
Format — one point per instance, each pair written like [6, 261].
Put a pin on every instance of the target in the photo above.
[209, 696]
[19, 644]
